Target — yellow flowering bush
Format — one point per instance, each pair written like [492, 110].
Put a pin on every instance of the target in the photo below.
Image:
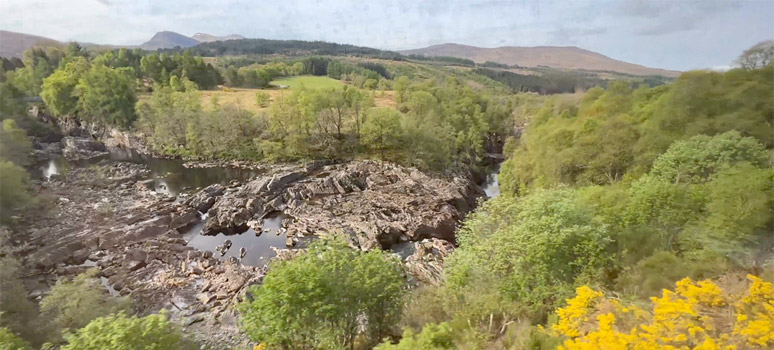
[695, 316]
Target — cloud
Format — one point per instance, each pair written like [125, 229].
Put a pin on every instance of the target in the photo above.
[671, 34]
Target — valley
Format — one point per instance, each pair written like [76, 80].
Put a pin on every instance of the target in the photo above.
[220, 192]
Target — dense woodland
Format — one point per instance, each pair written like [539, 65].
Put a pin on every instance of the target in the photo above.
[631, 216]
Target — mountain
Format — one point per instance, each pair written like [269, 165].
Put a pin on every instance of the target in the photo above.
[205, 38]
[12, 44]
[165, 40]
[569, 57]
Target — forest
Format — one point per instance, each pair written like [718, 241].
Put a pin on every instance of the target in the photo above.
[631, 215]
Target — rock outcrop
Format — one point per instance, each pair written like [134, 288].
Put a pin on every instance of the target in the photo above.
[82, 148]
[373, 204]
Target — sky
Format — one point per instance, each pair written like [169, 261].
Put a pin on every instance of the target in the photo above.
[677, 34]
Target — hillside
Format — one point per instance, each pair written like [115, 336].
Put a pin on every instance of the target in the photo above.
[550, 56]
[164, 40]
[205, 38]
[12, 44]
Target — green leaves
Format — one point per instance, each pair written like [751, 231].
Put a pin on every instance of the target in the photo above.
[59, 89]
[120, 332]
[698, 158]
[534, 249]
[73, 304]
[321, 299]
[107, 95]
[621, 131]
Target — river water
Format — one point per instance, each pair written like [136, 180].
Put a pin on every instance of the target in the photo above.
[169, 175]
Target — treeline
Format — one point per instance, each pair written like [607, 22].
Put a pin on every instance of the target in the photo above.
[549, 82]
[288, 48]
[436, 125]
[444, 60]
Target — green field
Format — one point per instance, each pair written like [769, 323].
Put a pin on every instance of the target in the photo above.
[307, 81]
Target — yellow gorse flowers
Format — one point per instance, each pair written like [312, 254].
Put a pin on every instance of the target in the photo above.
[695, 316]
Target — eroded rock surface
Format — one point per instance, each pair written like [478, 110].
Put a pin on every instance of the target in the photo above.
[373, 204]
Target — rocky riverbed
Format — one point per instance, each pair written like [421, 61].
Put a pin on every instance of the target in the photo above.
[110, 216]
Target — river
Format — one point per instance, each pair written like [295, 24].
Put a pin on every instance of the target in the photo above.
[173, 179]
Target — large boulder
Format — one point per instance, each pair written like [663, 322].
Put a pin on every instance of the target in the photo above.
[82, 148]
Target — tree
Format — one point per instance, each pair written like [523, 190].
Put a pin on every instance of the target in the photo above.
[325, 297]
[59, 89]
[71, 305]
[382, 130]
[262, 99]
[695, 160]
[107, 95]
[121, 332]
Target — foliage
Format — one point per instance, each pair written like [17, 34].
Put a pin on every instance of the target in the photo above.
[71, 305]
[621, 131]
[432, 337]
[17, 313]
[382, 130]
[9, 341]
[107, 95]
[161, 67]
[326, 299]
[533, 250]
[262, 99]
[289, 47]
[552, 82]
[59, 89]
[13, 189]
[14, 144]
[120, 332]
[694, 316]
[695, 159]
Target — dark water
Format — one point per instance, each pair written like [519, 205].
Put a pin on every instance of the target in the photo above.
[169, 175]
[258, 248]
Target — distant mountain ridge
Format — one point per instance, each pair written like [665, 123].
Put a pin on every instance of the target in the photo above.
[567, 57]
[166, 39]
[206, 38]
[12, 44]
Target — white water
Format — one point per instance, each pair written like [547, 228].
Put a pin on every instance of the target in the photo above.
[50, 169]
[492, 186]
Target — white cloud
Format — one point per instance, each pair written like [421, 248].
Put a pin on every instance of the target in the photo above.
[678, 35]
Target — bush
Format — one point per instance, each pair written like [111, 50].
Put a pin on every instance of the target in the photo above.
[693, 316]
[326, 298]
[71, 305]
[533, 250]
[120, 332]
[14, 194]
[9, 341]
[432, 337]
